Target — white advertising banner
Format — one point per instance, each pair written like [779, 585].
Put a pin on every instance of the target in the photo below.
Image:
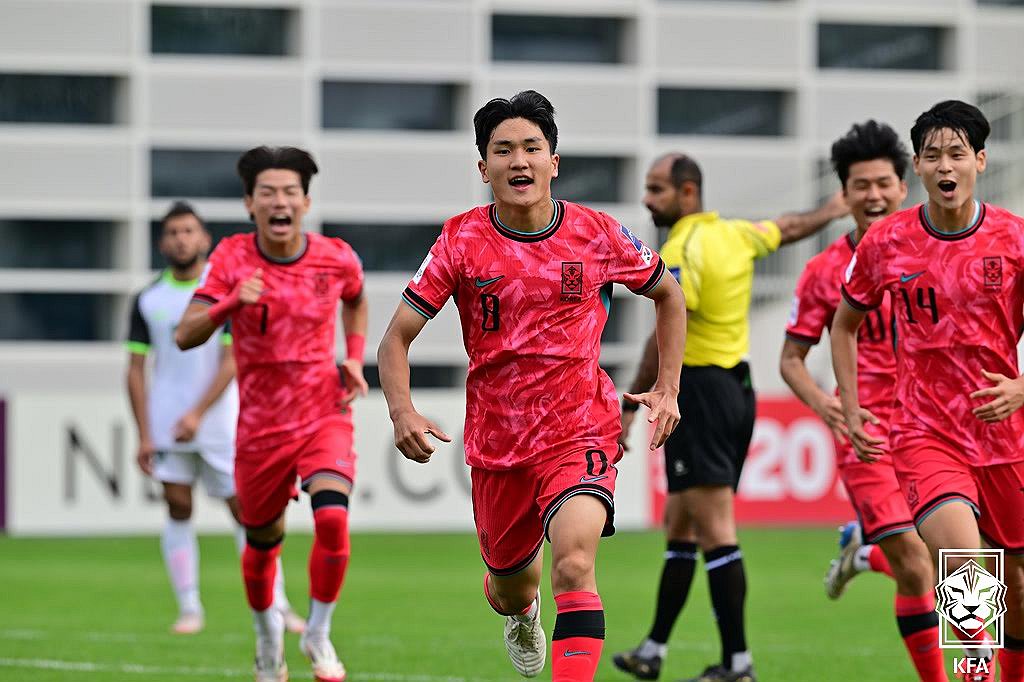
[71, 470]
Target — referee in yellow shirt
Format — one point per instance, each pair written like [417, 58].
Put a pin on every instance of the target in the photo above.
[713, 259]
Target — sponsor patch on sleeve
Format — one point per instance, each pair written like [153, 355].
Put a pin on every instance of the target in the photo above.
[849, 268]
[794, 311]
[632, 238]
[423, 268]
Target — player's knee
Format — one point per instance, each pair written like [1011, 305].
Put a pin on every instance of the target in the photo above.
[265, 537]
[330, 519]
[572, 571]
[179, 504]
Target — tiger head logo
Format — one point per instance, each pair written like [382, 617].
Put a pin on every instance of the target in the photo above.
[971, 598]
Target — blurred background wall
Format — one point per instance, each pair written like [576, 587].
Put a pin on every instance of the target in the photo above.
[111, 109]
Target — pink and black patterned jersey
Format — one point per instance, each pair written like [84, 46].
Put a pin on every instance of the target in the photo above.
[958, 301]
[533, 306]
[284, 345]
[814, 306]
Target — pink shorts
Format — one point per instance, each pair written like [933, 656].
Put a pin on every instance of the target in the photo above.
[265, 479]
[513, 507]
[932, 472]
[876, 495]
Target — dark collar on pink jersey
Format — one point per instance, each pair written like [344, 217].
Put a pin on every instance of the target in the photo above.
[556, 221]
[922, 214]
[283, 261]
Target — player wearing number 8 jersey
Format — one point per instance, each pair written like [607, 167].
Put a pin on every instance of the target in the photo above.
[955, 269]
[532, 279]
[281, 287]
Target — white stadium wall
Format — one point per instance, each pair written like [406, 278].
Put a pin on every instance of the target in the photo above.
[101, 183]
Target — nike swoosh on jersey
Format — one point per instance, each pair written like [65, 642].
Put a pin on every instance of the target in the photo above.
[576, 653]
[904, 277]
[591, 479]
[484, 282]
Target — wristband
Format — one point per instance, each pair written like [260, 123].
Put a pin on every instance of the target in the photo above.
[355, 347]
[222, 309]
[629, 406]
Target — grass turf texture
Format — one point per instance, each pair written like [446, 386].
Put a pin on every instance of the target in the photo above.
[85, 610]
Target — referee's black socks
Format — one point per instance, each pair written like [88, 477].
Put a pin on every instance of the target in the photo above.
[727, 582]
[676, 578]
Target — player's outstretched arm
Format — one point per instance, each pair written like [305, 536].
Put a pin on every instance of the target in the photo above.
[670, 330]
[411, 428]
[796, 226]
[793, 368]
[844, 362]
[185, 429]
[355, 315]
[137, 397]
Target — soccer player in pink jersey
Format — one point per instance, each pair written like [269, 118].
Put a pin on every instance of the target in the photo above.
[280, 288]
[871, 162]
[532, 279]
[953, 268]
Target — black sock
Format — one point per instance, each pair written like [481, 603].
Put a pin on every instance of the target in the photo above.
[727, 582]
[676, 578]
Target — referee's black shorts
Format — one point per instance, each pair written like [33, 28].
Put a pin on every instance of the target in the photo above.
[717, 421]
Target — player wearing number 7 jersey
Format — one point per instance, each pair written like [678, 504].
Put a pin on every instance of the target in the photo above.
[532, 279]
[954, 268]
[280, 288]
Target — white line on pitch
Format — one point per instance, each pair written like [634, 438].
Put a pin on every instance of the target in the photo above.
[183, 671]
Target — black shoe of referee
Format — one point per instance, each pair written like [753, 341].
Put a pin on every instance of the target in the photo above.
[640, 667]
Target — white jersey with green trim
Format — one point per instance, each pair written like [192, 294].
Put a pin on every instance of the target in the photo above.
[180, 378]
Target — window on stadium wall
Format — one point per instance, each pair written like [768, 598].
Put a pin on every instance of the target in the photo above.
[699, 111]
[389, 106]
[57, 244]
[57, 98]
[32, 316]
[194, 173]
[871, 46]
[529, 38]
[249, 31]
[590, 179]
[423, 376]
[1005, 113]
[387, 247]
[217, 230]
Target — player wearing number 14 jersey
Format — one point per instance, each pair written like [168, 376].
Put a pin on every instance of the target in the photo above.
[280, 288]
[532, 280]
[954, 267]
[870, 161]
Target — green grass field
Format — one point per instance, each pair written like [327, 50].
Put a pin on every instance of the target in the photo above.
[85, 610]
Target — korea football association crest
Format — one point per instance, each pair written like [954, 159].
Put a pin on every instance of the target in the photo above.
[992, 272]
[572, 281]
[971, 599]
[321, 284]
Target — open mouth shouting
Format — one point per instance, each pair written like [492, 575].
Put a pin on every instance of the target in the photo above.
[520, 182]
[873, 213]
[947, 188]
[280, 224]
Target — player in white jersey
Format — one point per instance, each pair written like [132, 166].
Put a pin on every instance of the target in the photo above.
[186, 420]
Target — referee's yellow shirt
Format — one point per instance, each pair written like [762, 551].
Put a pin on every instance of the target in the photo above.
[713, 259]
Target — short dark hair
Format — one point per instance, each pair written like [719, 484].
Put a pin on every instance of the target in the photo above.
[685, 169]
[964, 119]
[528, 104]
[180, 208]
[865, 142]
[259, 159]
